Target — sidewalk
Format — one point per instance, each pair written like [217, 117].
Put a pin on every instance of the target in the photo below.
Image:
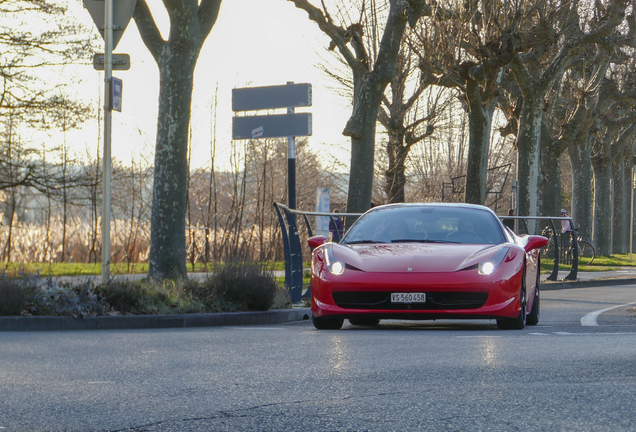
[626, 275]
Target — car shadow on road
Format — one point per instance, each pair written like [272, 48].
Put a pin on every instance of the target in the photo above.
[427, 325]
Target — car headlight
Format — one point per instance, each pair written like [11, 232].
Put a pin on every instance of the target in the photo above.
[334, 265]
[489, 267]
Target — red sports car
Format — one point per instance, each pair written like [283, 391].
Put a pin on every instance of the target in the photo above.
[426, 261]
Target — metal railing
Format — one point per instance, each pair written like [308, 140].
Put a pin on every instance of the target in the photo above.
[293, 249]
[294, 256]
[555, 239]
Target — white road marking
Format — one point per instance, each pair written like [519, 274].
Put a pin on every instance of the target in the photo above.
[563, 333]
[590, 320]
[539, 334]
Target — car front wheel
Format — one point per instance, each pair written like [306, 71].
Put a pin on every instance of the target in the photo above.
[520, 322]
[533, 317]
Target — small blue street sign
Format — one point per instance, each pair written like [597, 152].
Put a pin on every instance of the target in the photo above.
[115, 93]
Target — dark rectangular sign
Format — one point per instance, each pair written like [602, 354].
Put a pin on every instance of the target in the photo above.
[272, 126]
[271, 97]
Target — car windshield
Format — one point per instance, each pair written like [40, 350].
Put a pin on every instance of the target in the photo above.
[426, 224]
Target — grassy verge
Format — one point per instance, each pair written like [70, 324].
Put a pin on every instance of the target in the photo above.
[600, 263]
[95, 269]
[233, 286]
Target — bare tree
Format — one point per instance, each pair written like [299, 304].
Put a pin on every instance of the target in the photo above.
[372, 72]
[190, 23]
[557, 32]
[468, 51]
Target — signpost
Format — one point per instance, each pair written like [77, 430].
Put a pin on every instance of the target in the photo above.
[111, 22]
[271, 97]
[288, 125]
[120, 61]
[271, 126]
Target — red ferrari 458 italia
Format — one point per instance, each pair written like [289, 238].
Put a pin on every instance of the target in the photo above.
[423, 262]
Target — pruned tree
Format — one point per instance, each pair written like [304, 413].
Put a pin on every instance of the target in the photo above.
[554, 34]
[371, 72]
[566, 127]
[468, 51]
[190, 23]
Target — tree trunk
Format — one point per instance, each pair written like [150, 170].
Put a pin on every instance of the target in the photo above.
[528, 155]
[550, 191]
[190, 24]
[629, 166]
[395, 175]
[479, 126]
[579, 153]
[167, 240]
[620, 233]
[602, 204]
[365, 113]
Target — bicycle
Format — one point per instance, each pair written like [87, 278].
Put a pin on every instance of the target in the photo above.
[586, 251]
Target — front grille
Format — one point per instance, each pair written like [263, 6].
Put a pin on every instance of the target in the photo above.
[434, 300]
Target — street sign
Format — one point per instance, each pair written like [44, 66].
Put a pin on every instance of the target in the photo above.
[115, 93]
[272, 126]
[271, 97]
[120, 61]
[122, 12]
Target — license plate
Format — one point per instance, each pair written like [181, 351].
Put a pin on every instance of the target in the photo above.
[408, 297]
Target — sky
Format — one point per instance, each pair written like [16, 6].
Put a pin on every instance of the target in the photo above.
[254, 43]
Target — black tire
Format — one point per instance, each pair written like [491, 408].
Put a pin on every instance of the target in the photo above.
[364, 321]
[327, 323]
[587, 252]
[520, 322]
[533, 317]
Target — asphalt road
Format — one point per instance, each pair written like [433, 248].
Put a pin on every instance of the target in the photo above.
[575, 371]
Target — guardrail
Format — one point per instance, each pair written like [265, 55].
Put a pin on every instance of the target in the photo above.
[294, 256]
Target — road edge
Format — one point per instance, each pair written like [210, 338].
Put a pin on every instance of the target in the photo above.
[131, 322]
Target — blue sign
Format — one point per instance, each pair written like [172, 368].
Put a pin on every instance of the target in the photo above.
[115, 93]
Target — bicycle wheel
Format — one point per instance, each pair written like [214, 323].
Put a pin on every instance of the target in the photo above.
[586, 252]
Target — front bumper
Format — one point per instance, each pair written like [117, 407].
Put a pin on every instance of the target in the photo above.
[461, 294]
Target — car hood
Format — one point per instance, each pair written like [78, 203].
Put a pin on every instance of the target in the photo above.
[415, 257]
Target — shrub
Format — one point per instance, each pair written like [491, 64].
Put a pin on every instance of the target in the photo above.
[249, 285]
[148, 297]
[13, 297]
[65, 299]
[124, 295]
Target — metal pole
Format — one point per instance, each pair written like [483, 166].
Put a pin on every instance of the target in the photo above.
[291, 165]
[631, 216]
[514, 201]
[108, 73]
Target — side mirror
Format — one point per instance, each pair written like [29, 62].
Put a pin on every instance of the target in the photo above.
[535, 242]
[316, 241]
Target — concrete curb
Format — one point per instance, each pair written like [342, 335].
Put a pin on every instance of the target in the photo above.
[559, 285]
[43, 323]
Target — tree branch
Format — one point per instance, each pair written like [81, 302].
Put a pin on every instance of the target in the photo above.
[148, 29]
